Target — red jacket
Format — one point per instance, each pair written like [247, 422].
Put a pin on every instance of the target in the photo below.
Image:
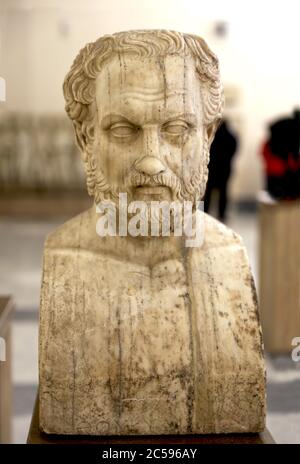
[275, 166]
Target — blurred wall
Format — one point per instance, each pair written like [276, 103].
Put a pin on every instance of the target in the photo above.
[258, 54]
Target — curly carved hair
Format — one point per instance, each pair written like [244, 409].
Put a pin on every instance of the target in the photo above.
[79, 83]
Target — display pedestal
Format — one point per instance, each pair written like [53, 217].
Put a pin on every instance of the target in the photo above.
[279, 256]
[35, 436]
[6, 311]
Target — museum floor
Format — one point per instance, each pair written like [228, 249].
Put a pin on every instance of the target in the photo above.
[21, 247]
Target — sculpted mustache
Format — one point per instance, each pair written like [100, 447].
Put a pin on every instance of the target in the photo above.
[165, 179]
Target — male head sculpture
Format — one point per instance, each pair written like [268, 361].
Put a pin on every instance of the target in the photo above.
[147, 336]
[150, 102]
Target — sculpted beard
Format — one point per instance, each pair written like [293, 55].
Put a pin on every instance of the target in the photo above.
[192, 189]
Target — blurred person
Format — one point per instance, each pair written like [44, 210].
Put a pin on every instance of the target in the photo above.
[222, 151]
[281, 156]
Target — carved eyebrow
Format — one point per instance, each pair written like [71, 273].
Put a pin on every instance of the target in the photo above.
[189, 117]
[111, 118]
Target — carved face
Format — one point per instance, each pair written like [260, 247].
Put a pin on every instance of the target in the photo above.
[150, 139]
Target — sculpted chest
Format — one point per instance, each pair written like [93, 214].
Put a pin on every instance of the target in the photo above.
[125, 349]
[122, 332]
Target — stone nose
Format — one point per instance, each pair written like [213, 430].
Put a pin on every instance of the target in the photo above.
[150, 165]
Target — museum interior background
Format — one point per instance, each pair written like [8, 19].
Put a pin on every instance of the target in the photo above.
[42, 180]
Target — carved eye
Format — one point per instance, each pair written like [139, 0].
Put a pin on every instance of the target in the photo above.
[122, 129]
[175, 127]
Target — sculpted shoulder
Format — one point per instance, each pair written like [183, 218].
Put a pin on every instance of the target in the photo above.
[74, 233]
[216, 234]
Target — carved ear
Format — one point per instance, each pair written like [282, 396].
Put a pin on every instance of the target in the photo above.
[212, 129]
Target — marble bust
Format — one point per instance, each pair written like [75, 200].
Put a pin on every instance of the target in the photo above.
[142, 334]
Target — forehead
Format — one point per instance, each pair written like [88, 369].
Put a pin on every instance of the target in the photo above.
[146, 87]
